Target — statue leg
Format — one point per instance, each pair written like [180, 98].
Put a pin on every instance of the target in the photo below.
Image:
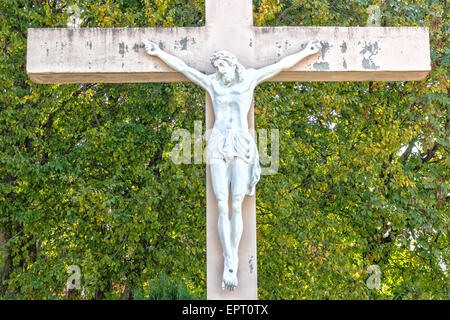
[220, 178]
[239, 186]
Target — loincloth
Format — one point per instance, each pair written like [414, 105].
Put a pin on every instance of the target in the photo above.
[230, 144]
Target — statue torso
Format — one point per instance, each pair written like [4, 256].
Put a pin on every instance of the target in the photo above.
[232, 103]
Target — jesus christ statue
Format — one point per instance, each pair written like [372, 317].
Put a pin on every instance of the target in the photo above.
[231, 149]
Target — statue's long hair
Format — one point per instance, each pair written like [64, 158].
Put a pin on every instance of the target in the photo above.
[229, 58]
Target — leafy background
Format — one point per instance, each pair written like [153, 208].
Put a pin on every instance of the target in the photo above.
[86, 178]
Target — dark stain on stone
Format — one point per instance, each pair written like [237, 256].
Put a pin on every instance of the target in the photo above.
[183, 43]
[47, 52]
[136, 47]
[325, 47]
[369, 50]
[122, 49]
[251, 42]
[344, 64]
[89, 44]
[161, 45]
[372, 48]
[344, 47]
[250, 264]
[369, 64]
[321, 66]
[70, 35]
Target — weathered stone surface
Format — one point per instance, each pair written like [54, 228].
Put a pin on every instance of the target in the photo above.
[247, 271]
[117, 54]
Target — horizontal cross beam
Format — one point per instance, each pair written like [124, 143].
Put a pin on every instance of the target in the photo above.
[117, 55]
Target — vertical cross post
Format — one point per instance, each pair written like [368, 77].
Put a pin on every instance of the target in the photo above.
[228, 19]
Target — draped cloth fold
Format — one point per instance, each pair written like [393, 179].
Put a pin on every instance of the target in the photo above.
[227, 145]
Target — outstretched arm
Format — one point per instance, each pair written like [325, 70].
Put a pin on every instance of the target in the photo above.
[179, 65]
[287, 62]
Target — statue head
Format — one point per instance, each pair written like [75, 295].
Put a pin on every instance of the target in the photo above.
[227, 66]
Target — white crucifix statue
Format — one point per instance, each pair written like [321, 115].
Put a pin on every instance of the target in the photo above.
[229, 57]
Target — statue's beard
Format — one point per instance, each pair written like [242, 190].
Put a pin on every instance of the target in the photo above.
[227, 79]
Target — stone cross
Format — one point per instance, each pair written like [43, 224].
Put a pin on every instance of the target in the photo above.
[117, 55]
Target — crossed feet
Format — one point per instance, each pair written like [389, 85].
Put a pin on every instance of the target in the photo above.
[229, 279]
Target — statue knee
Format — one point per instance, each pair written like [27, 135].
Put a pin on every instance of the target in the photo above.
[237, 204]
[237, 198]
[223, 207]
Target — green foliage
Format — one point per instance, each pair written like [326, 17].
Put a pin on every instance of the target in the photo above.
[364, 170]
[86, 178]
[164, 288]
[85, 173]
